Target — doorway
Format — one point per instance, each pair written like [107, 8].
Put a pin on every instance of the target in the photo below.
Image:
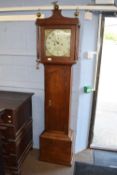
[104, 130]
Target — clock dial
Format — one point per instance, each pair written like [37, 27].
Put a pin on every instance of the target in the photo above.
[57, 42]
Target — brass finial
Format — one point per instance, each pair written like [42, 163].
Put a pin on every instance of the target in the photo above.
[38, 14]
[76, 14]
[55, 4]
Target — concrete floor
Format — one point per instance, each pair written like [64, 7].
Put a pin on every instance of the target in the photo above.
[105, 128]
[32, 166]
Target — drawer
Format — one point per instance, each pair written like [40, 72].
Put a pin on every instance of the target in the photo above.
[7, 132]
[9, 147]
[10, 161]
[7, 117]
[18, 145]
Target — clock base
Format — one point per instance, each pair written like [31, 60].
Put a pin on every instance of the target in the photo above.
[56, 147]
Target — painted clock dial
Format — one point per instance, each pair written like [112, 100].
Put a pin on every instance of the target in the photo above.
[57, 42]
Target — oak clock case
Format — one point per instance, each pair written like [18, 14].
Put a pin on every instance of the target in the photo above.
[57, 45]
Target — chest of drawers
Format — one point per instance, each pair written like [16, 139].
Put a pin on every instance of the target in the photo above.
[15, 128]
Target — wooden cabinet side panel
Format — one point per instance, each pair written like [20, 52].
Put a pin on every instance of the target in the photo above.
[23, 114]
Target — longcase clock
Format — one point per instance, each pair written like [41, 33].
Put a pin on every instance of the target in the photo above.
[57, 45]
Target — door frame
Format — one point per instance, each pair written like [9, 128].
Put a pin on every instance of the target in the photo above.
[95, 93]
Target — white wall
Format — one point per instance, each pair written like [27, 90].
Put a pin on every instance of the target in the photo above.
[18, 68]
[89, 30]
[11, 3]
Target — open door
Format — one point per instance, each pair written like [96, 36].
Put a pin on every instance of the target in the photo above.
[103, 132]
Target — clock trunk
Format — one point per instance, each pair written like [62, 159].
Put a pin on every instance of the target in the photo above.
[56, 140]
[57, 97]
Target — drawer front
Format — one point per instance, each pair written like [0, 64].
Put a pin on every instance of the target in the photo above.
[17, 146]
[10, 161]
[7, 132]
[9, 147]
[7, 117]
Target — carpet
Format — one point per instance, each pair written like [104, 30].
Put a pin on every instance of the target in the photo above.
[89, 169]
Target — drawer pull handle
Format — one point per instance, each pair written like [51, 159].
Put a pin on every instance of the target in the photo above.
[9, 121]
[9, 116]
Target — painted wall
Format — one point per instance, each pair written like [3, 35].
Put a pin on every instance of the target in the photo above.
[13, 3]
[86, 68]
[18, 68]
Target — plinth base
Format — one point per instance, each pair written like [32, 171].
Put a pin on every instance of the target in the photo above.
[56, 147]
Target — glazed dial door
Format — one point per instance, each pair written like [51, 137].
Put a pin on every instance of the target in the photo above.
[57, 42]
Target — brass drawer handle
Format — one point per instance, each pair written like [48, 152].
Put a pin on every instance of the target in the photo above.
[9, 116]
[9, 121]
